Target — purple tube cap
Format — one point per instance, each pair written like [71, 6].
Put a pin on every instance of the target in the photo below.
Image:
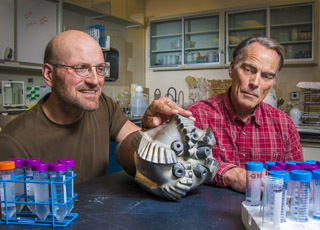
[302, 165]
[68, 162]
[57, 167]
[39, 166]
[281, 165]
[18, 161]
[291, 167]
[29, 162]
[310, 168]
[273, 167]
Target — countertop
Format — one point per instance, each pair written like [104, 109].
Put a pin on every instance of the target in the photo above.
[116, 201]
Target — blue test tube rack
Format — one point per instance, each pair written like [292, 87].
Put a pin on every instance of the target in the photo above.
[25, 217]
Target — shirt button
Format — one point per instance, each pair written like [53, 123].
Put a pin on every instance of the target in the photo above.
[222, 149]
[244, 133]
[274, 155]
[244, 155]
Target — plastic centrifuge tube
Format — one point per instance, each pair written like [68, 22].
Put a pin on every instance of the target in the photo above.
[19, 187]
[284, 204]
[69, 173]
[253, 182]
[41, 190]
[271, 204]
[59, 190]
[299, 205]
[30, 186]
[7, 189]
[315, 201]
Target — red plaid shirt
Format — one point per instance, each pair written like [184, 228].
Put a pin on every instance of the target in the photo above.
[268, 135]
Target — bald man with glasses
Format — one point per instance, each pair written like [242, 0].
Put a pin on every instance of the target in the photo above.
[77, 120]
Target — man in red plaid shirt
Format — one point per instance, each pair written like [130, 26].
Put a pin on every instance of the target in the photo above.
[246, 128]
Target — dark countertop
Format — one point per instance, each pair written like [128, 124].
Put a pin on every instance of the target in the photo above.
[115, 202]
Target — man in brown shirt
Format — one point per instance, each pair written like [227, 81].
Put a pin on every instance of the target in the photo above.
[76, 120]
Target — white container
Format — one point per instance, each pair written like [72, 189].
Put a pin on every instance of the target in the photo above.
[139, 102]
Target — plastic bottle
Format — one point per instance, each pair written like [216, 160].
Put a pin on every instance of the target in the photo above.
[139, 102]
[299, 206]
[315, 200]
[59, 190]
[267, 163]
[41, 190]
[19, 187]
[70, 185]
[7, 189]
[253, 182]
[27, 163]
[284, 202]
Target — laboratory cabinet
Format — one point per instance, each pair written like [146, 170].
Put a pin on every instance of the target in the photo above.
[208, 40]
[291, 25]
[187, 40]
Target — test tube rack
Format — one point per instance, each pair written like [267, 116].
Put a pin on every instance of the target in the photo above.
[26, 217]
[252, 220]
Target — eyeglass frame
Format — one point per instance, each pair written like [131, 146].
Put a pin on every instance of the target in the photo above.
[89, 68]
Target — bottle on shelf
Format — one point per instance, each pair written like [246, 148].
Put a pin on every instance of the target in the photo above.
[139, 102]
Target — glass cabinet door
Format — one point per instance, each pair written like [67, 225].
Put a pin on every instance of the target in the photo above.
[166, 43]
[292, 27]
[201, 40]
[241, 25]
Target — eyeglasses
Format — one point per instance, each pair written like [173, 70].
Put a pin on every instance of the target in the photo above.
[84, 70]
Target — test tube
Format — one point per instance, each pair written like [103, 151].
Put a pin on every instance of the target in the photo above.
[272, 197]
[310, 162]
[285, 176]
[27, 163]
[253, 182]
[59, 190]
[19, 187]
[41, 191]
[69, 173]
[7, 189]
[299, 205]
[289, 168]
[315, 200]
[273, 168]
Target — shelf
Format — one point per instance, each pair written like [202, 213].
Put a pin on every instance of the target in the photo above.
[19, 66]
[202, 32]
[166, 51]
[248, 28]
[292, 24]
[166, 35]
[202, 48]
[97, 14]
[295, 42]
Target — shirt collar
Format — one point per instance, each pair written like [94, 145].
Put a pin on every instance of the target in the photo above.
[256, 116]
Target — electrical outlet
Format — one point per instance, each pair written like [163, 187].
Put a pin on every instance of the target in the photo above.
[295, 95]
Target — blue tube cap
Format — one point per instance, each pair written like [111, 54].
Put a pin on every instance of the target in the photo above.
[280, 174]
[254, 166]
[301, 175]
[310, 162]
[316, 174]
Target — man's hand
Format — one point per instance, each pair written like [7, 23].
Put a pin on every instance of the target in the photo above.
[235, 178]
[160, 111]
